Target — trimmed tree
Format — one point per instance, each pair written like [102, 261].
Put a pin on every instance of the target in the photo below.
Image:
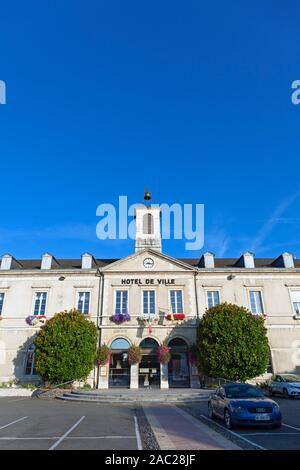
[65, 347]
[232, 343]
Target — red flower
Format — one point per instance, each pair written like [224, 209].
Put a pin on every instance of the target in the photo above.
[176, 316]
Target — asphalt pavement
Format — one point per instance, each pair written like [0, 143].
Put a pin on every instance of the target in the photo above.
[27, 423]
[258, 438]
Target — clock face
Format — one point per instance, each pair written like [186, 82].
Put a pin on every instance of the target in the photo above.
[148, 263]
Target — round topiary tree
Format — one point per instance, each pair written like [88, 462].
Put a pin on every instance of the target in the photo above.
[65, 347]
[232, 343]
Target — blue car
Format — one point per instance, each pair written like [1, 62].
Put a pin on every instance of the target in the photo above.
[243, 405]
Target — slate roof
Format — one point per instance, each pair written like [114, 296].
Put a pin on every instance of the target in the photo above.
[35, 264]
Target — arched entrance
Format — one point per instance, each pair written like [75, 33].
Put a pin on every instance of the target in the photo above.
[119, 368]
[178, 367]
[149, 369]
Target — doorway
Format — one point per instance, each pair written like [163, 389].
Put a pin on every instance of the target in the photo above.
[119, 368]
[149, 368]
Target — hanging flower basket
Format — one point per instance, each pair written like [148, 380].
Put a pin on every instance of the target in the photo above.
[120, 318]
[35, 320]
[176, 316]
[163, 354]
[103, 355]
[134, 354]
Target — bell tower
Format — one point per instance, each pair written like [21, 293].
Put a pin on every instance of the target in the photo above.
[147, 221]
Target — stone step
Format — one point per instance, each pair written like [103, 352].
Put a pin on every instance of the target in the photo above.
[135, 394]
[129, 400]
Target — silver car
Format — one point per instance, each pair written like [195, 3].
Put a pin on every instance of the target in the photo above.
[287, 385]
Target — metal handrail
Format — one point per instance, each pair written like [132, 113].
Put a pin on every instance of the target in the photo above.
[51, 388]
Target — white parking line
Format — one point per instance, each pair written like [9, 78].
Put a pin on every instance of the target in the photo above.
[270, 434]
[289, 426]
[18, 399]
[137, 432]
[101, 437]
[13, 422]
[234, 433]
[66, 434]
[66, 438]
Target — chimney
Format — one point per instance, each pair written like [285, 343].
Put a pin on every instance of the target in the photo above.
[207, 260]
[87, 261]
[48, 261]
[246, 260]
[285, 260]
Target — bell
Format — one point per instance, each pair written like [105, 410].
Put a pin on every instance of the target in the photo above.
[147, 196]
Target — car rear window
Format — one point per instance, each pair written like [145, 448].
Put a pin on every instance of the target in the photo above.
[243, 391]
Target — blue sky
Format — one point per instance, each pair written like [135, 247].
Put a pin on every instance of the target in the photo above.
[190, 98]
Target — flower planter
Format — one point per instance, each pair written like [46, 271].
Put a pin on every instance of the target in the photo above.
[119, 318]
[35, 320]
[176, 316]
[163, 354]
[103, 355]
[134, 355]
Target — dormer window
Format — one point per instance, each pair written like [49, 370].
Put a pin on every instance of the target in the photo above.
[148, 224]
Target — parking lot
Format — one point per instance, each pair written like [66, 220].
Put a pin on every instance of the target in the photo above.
[285, 438]
[55, 425]
[35, 424]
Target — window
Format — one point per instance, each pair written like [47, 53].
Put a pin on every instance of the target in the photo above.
[83, 304]
[295, 296]
[213, 298]
[176, 301]
[149, 302]
[120, 343]
[256, 302]
[148, 224]
[29, 365]
[121, 302]
[1, 301]
[40, 303]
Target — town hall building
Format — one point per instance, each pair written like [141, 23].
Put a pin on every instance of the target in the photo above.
[148, 299]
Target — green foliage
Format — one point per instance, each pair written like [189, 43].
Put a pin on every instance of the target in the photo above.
[232, 343]
[28, 385]
[103, 354]
[134, 354]
[66, 347]
[8, 384]
[85, 386]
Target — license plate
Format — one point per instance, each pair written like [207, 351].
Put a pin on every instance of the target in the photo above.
[262, 417]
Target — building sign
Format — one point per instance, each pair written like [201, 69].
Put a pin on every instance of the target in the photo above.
[141, 282]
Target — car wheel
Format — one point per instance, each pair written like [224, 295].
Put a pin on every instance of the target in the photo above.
[211, 413]
[227, 419]
[285, 393]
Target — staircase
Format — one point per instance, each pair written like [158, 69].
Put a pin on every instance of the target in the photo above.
[129, 396]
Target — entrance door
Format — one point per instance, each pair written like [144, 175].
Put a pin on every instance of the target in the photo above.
[149, 369]
[149, 372]
[119, 368]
